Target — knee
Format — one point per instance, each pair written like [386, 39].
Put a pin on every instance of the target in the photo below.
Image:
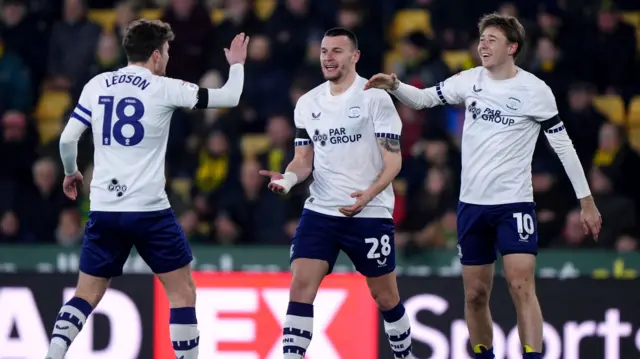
[385, 299]
[477, 297]
[304, 287]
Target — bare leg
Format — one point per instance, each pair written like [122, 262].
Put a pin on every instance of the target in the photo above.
[384, 290]
[519, 270]
[478, 281]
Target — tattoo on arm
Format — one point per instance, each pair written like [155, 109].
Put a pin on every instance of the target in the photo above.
[390, 144]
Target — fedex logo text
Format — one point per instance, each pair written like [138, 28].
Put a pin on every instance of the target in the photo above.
[241, 317]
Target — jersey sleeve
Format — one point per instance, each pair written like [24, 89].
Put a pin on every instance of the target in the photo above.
[452, 90]
[302, 137]
[543, 107]
[82, 111]
[386, 121]
[180, 94]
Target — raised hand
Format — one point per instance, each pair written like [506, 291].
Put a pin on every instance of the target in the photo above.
[237, 52]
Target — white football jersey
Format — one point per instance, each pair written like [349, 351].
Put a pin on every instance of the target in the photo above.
[502, 123]
[129, 112]
[347, 158]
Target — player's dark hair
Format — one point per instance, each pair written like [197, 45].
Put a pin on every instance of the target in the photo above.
[341, 31]
[510, 27]
[143, 37]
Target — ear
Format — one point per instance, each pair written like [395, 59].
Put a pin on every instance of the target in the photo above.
[513, 48]
[356, 56]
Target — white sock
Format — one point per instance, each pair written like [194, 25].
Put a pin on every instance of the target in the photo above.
[298, 330]
[69, 322]
[399, 334]
[183, 329]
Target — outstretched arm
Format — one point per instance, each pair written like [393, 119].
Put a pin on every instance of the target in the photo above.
[448, 92]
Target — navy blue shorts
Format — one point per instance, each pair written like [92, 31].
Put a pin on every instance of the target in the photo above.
[509, 228]
[109, 237]
[369, 242]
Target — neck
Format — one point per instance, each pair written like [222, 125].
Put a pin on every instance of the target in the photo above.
[341, 85]
[504, 71]
[147, 65]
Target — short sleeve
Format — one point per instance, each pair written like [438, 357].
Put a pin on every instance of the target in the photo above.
[82, 111]
[302, 137]
[386, 121]
[543, 104]
[180, 93]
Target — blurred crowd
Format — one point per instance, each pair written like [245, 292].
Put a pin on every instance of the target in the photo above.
[50, 48]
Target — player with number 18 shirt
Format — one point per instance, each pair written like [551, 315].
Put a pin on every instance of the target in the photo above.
[129, 112]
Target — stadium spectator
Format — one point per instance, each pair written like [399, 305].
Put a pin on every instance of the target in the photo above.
[39, 207]
[25, 35]
[15, 81]
[70, 230]
[192, 25]
[72, 48]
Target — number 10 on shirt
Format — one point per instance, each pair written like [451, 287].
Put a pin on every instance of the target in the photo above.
[122, 119]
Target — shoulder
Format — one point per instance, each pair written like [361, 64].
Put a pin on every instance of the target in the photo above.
[470, 73]
[311, 94]
[534, 85]
[377, 98]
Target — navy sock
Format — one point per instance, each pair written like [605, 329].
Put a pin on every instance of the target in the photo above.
[532, 356]
[297, 330]
[183, 328]
[482, 352]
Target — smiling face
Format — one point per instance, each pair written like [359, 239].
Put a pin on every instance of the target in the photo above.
[501, 40]
[494, 49]
[338, 57]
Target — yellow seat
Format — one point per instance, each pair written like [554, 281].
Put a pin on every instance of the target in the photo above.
[253, 145]
[217, 16]
[612, 107]
[408, 21]
[634, 138]
[456, 60]
[49, 131]
[182, 187]
[264, 8]
[151, 14]
[52, 106]
[103, 17]
[634, 112]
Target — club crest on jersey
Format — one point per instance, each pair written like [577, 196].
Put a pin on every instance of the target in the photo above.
[354, 112]
[513, 104]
